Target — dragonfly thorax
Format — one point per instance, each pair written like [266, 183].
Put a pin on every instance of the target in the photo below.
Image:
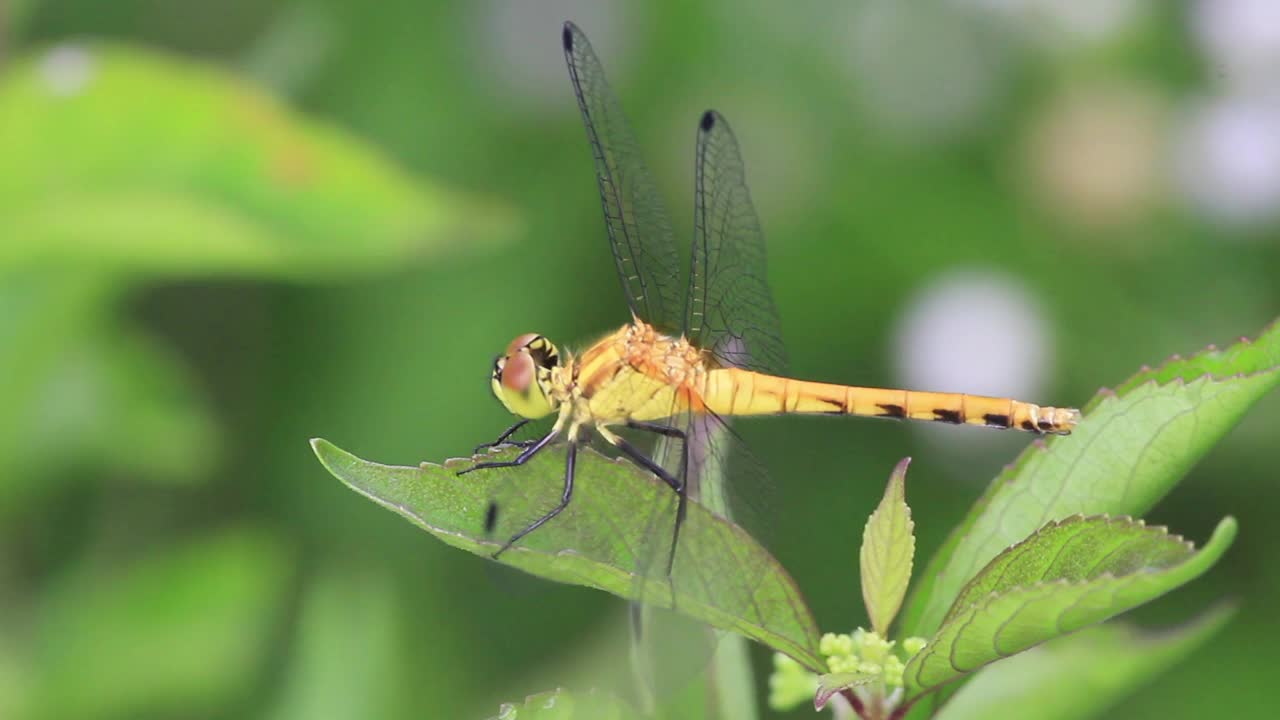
[522, 377]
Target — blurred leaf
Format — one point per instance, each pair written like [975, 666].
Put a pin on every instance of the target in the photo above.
[735, 684]
[887, 550]
[1081, 675]
[563, 705]
[1069, 574]
[119, 398]
[346, 654]
[591, 543]
[13, 18]
[15, 668]
[186, 627]
[1130, 449]
[82, 391]
[214, 177]
[40, 317]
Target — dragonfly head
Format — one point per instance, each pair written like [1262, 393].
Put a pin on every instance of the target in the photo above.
[522, 377]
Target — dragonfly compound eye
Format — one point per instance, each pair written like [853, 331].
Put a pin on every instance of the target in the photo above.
[522, 377]
[542, 350]
[518, 373]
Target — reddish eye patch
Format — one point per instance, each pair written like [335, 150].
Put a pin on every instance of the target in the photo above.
[518, 372]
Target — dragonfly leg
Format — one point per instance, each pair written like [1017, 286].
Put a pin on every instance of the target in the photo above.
[670, 432]
[677, 484]
[570, 459]
[506, 434]
[521, 459]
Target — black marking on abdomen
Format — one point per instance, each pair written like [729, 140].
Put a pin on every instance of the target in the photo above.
[1046, 425]
[996, 420]
[1028, 425]
[947, 416]
[893, 411]
[840, 409]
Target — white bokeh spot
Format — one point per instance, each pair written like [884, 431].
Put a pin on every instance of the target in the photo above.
[521, 42]
[67, 69]
[1229, 158]
[974, 331]
[1240, 37]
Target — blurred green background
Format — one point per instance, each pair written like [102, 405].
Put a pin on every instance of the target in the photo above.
[228, 227]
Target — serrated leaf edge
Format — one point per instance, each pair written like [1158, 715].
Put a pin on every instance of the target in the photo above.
[1109, 519]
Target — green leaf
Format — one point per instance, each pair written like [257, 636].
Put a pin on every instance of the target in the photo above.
[113, 387]
[81, 391]
[1070, 574]
[345, 615]
[832, 683]
[888, 546]
[188, 626]
[215, 177]
[595, 541]
[1079, 676]
[1132, 446]
[563, 705]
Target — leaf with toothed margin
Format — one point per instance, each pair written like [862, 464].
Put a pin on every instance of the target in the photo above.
[831, 684]
[1131, 447]
[1069, 574]
[1081, 675]
[721, 575]
[887, 550]
[560, 704]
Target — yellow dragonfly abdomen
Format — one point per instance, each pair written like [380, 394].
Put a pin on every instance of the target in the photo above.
[734, 391]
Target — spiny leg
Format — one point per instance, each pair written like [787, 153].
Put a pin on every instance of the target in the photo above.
[521, 459]
[570, 458]
[506, 434]
[678, 484]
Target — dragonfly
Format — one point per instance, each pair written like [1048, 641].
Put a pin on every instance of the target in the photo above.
[700, 347]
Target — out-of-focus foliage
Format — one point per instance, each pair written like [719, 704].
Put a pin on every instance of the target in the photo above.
[123, 160]
[563, 705]
[157, 394]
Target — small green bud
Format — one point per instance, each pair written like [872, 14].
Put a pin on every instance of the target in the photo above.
[833, 644]
[893, 668]
[842, 664]
[790, 685]
[872, 647]
[913, 645]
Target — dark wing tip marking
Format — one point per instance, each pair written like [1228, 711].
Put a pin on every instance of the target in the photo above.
[708, 121]
[566, 36]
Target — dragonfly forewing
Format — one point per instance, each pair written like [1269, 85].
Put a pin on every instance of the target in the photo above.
[637, 221]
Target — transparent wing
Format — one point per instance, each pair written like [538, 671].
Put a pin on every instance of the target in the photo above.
[730, 312]
[715, 570]
[638, 225]
[729, 309]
